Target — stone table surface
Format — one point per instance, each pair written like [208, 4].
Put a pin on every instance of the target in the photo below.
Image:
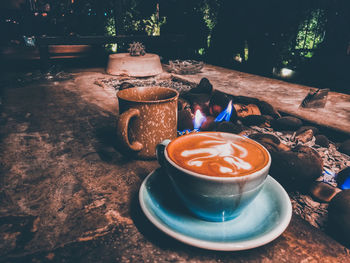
[68, 194]
[285, 97]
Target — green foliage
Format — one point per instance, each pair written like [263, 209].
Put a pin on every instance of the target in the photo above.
[131, 17]
[153, 24]
[310, 34]
[201, 51]
[209, 10]
[308, 37]
[209, 15]
[131, 23]
[110, 31]
[110, 27]
[246, 51]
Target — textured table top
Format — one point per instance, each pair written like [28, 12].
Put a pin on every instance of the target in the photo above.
[68, 194]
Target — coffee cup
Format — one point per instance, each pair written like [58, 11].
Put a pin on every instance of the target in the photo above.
[216, 175]
[148, 115]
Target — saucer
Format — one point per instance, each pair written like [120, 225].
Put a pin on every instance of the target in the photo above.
[261, 222]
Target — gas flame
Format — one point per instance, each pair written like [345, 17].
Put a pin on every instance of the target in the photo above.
[199, 118]
[225, 114]
[346, 184]
[329, 174]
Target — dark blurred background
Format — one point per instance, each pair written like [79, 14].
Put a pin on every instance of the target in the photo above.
[301, 41]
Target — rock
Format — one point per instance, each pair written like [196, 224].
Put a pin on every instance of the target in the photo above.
[185, 120]
[339, 214]
[183, 104]
[218, 102]
[304, 151]
[243, 110]
[230, 127]
[305, 128]
[284, 147]
[287, 123]
[209, 124]
[296, 169]
[268, 109]
[345, 147]
[305, 136]
[342, 177]
[197, 98]
[245, 100]
[126, 85]
[269, 118]
[272, 148]
[270, 141]
[204, 86]
[264, 137]
[323, 192]
[198, 101]
[254, 120]
[322, 140]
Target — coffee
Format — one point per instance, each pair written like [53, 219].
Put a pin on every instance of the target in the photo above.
[215, 174]
[217, 154]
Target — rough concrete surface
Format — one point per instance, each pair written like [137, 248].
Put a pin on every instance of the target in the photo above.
[68, 193]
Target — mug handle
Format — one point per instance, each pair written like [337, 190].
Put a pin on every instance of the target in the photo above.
[160, 152]
[122, 129]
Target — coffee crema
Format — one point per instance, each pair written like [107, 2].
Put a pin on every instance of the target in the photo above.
[217, 154]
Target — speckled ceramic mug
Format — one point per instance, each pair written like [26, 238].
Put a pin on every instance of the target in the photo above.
[148, 115]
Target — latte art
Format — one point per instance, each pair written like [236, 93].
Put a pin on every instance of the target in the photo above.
[214, 155]
[230, 153]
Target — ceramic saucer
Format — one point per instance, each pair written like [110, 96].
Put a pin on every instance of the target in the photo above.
[261, 222]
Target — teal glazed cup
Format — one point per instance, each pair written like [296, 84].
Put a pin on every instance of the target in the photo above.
[214, 198]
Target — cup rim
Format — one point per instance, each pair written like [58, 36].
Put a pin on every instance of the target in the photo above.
[249, 177]
[174, 97]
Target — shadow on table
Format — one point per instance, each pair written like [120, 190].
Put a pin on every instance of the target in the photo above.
[108, 147]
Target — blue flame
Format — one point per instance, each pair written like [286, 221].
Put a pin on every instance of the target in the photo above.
[327, 172]
[328, 176]
[187, 131]
[346, 184]
[226, 114]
